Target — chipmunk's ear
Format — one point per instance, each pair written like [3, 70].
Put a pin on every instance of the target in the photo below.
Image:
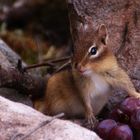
[103, 34]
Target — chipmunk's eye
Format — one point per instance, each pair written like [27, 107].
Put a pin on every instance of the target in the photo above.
[93, 51]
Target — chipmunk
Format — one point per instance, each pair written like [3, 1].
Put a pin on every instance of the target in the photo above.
[84, 90]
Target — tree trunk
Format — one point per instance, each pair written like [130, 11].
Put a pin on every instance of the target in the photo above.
[11, 77]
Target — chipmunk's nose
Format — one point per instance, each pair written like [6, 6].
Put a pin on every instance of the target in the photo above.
[80, 68]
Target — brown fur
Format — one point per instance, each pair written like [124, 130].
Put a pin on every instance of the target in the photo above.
[78, 94]
[67, 100]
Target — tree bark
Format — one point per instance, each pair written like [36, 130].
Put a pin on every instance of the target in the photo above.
[23, 82]
[12, 77]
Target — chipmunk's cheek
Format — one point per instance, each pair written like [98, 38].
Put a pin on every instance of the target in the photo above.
[92, 67]
[88, 66]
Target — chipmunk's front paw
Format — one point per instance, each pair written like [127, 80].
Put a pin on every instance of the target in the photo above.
[137, 95]
[91, 121]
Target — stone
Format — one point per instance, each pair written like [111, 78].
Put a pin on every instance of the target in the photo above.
[17, 118]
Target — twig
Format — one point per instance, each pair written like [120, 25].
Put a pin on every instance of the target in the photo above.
[39, 126]
[38, 65]
[48, 63]
[65, 65]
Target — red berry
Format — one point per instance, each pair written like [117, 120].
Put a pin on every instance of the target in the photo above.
[104, 127]
[121, 132]
[129, 105]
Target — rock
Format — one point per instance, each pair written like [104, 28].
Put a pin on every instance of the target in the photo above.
[16, 118]
[7, 56]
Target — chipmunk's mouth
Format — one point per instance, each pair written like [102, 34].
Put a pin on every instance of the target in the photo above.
[84, 72]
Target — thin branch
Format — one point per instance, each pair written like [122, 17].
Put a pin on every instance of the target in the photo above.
[65, 65]
[38, 65]
[48, 63]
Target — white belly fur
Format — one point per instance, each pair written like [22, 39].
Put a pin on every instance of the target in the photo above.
[99, 92]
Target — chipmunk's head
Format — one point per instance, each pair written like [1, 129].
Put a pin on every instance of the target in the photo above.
[91, 50]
